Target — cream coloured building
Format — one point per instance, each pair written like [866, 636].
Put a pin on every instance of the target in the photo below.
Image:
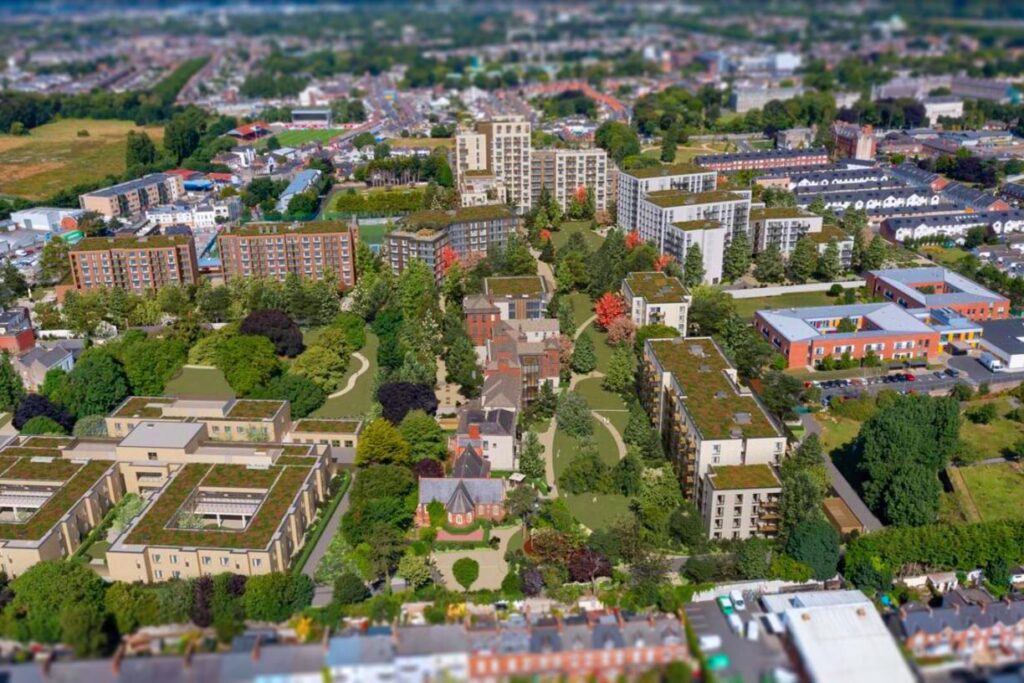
[499, 148]
[564, 172]
[654, 298]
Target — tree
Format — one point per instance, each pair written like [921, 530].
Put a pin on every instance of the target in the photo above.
[573, 414]
[276, 326]
[587, 564]
[95, 385]
[609, 308]
[711, 309]
[769, 266]
[736, 261]
[619, 377]
[150, 363]
[40, 424]
[381, 443]
[803, 260]
[275, 597]
[54, 264]
[521, 501]
[622, 331]
[815, 543]
[874, 257]
[686, 526]
[466, 571]
[431, 469]
[139, 150]
[181, 136]
[324, 367]
[424, 435]
[32, 405]
[349, 589]
[417, 570]
[302, 393]
[584, 359]
[398, 398]
[566, 317]
[12, 390]
[693, 267]
[84, 627]
[829, 266]
[247, 362]
[753, 558]
[781, 394]
[626, 474]
[43, 593]
[531, 462]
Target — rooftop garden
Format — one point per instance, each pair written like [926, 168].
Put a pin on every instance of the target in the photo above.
[525, 285]
[143, 406]
[58, 504]
[743, 477]
[310, 228]
[240, 477]
[669, 198]
[297, 449]
[56, 470]
[147, 242]
[662, 171]
[710, 397]
[248, 409]
[25, 452]
[829, 232]
[327, 426]
[47, 441]
[153, 528]
[435, 220]
[656, 288]
[778, 212]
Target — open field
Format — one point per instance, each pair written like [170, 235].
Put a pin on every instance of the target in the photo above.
[373, 233]
[356, 402]
[942, 255]
[996, 490]
[995, 439]
[560, 237]
[295, 138]
[199, 383]
[53, 157]
[597, 510]
[747, 307]
[598, 398]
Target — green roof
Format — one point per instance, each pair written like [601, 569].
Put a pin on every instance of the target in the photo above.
[829, 232]
[669, 198]
[731, 477]
[778, 212]
[656, 288]
[147, 242]
[699, 224]
[436, 220]
[327, 426]
[308, 228]
[711, 399]
[252, 409]
[36, 526]
[522, 285]
[669, 170]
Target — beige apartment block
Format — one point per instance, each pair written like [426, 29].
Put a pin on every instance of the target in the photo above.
[225, 419]
[135, 196]
[500, 148]
[565, 173]
[633, 185]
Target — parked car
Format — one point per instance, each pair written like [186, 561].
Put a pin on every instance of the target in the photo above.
[737, 600]
[910, 378]
[952, 373]
[710, 642]
[736, 624]
[753, 630]
[725, 604]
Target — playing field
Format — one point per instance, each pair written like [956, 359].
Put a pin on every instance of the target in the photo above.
[53, 157]
[295, 138]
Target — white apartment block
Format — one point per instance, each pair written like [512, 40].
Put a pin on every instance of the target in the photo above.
[654, 298]
[634, 184]
[564, 172]
[500, 147]
[725, 445]
[782, 226]
[673, 221]
[205, 216]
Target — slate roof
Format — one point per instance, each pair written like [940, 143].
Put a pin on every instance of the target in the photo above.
[478, 303]
[470, 465]
[964, 290]
[461, 491]
[968, 196]
[958, 615]
[47, 358]
[764, 154]
[496, 422]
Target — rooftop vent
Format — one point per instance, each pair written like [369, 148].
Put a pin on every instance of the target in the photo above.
[704, 368]
[743, 418]
[697, 350]
[720, 394]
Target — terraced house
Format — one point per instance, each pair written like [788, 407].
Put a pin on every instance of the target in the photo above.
[236, 499]
[726, 445]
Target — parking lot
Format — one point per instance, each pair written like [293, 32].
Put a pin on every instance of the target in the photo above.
[903, 381]
[748, 660]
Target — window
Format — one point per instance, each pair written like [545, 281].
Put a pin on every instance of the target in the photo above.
[156, 559]
[257, 562]
[158, 574]
[207, 560]
[223, 561]
[174, 559]
[151, 455]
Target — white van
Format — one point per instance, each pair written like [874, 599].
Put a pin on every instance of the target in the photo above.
[753, 630]
[710, 642]
[736, 624]
[737, 600]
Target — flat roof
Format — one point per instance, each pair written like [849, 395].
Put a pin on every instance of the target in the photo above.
[431, 219]
[144, 242]
[731, 477]
[798, 324]
[829, 233]
[327, 426]
[153, 434]
[281, 228]
[779, 212]
[1006, 335]
[129, 186]
[656, 287]
[712, 400]
[516, 285]
[699, 224]
[667, 170]
[670, 198]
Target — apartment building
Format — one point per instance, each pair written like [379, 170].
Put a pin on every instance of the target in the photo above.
[654, 298]
[135, 196]
[853, 142]
[782, 226]
[273, 250]
[202, 216]
[138, 264]
[673, 221]
[764, 160]
[936, 288]
[566, 173]
[501, 148]
[634, 184]
[724, 442]
[469, 232]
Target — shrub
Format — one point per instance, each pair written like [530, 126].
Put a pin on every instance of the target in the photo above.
[466, 571]
[276, 326]
[40, 424]
[350, 589]
[33, 405]
[982, 414]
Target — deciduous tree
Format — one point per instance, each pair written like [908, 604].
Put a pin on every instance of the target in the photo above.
[381, 443]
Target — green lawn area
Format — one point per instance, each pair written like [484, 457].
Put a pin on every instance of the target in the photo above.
[98, 550]
[566, 448]
[943, 255]
[582, 307]
[836, 431]
[373, 233]
[295, 138]
[53, 157]
[746, 307]
[358, 401]
[560, 237]
[199, 383]
[598, 397]
[597, 510]
[995, 438]
[997, 490]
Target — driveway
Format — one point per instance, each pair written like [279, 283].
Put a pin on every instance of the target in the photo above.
[322, 594]
[493, 567]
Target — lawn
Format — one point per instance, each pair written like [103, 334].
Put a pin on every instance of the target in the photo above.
[199, 383]
[997, 490]
[582, 307]
[358, 401]
[837, 431]
[598, 397]
[297, 138]
[597, 510]
[996, 438]
[53, 157]
[373, 233]
[746, 307]
[420, 143]
[944, 256]
[566, 448]
[560, 237]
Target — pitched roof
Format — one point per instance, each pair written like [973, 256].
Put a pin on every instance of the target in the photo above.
[476, 491]
[470, 465]
[460, 502]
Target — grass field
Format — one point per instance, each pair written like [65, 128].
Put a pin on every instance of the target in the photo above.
[994, 439]
[53, 157]
[373, 233]
[746, 307]
[358, 401]
[942, 255]
[598, 398]
[296, 138]
[837, 431]
[593, 510]
[199, 383]
[560, 237]
[582, 307]
[997, 490]
[597, 510]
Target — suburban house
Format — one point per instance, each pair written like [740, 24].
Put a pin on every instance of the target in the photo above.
[490, 433]
[465, 501]
[16, 332]
[33, 365]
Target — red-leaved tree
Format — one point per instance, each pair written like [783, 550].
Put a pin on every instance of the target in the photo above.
[609, 307]
[449, 257]
[545, 235]
[621, 331]
[662, 261]
[633, 240]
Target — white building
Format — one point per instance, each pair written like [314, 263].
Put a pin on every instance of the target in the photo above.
[636, 183]
[499, 147]
[782, 226]
[47, 219]
[954, 226]
[204, 216]
[654, 298]
[564, 172]
[942, 106]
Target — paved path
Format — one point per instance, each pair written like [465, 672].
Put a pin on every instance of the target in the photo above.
[839, 483]
[544, 270]
[492, 562]
[322, 594]
[547, 439]
[584, 326]
[619, 443]
[365, 365]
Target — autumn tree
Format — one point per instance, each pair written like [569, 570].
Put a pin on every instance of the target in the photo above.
[609, 308]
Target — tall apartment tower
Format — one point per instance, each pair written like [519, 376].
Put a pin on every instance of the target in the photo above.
[499, 148]
[274, 250]
[633, 185]
[563, 172]
[137, 264]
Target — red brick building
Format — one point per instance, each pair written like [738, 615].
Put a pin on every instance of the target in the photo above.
[935, 288]
[275, 250]
[764, 160]
[16, 332]
[138, 264]
[465, 501]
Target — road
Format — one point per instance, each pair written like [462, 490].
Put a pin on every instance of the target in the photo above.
[323, 594]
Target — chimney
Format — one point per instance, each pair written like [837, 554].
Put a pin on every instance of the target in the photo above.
[474, 432]
[115, 663]
[256, 649]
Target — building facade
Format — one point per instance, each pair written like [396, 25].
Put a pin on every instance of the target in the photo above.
[468, 232]
[135, 196]
[204, 216]
[138, 264]
[499, 147]
[764, 160]
[275, 250]
[634, 184]
[654, 298]
[16, 332]
[937, 288]
[569, 173]
[853, 142]
[782, 227]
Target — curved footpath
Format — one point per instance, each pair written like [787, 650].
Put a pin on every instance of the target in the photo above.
[355, 376]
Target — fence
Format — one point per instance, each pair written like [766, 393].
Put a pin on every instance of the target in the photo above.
[756, 292]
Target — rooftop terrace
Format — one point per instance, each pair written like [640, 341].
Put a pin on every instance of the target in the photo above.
[146, 242]
[327, 426]
[665, 171]
[657, 288]
[525, 285]
[732, 477]
[281, 228]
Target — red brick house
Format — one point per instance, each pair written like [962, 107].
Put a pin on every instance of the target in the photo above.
[16, 332]
[465, 501]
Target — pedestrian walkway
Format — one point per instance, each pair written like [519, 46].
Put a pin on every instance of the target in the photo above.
[364, 366]
[323, 594]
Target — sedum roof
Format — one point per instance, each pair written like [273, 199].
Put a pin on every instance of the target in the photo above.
[733, 477]
[657, 288]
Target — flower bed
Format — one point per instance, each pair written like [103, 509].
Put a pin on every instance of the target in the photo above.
[240, 477]
[58, 504]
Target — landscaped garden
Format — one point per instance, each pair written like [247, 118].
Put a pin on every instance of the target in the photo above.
[357, 401]
[199, 383]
